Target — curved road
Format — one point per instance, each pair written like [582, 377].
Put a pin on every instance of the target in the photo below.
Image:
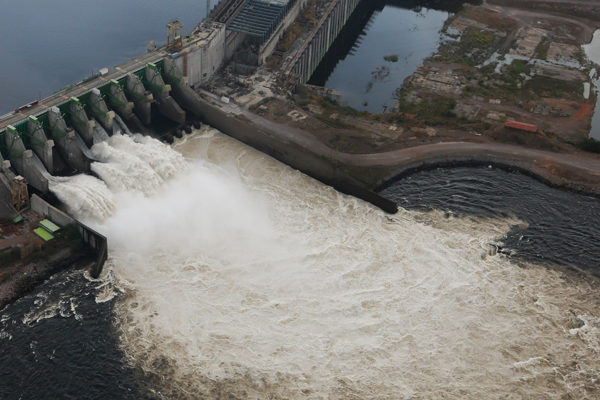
[579, 172]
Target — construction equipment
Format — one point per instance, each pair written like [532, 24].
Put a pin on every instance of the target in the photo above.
[174, 35]
[19, 194]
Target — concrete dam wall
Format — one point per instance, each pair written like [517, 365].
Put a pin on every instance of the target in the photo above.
[305, 62]
[58, 141]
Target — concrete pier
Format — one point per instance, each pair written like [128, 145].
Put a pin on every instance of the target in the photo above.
[24, 161]
[118, 101]
[67, 140]
[166, 104]
[80, 121]
[5, 168]
[100, 110]
[306, 60]
[40, 143]
[141, 97]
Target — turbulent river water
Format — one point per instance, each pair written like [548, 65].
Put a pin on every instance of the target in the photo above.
[231, 275]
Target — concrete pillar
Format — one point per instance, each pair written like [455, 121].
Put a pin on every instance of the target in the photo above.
[142, 98]
[118, 101]
[25, 162]
[80, 121]
[171, 72]
[100, 110]
[66, 141]
[39, 143]
[166, 104]
[5, 169]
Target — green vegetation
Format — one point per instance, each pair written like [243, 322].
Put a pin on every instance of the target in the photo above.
[9, 256]
[332, 106]
[542, 86]
[590, 144]
[392, 58]
[334, 123]
[541, 51]
[518, 67]
[474, 39]
[474, 47]
[436, 111]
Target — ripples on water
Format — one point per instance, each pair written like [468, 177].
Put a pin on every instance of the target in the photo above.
[562, 227]
[238, 277]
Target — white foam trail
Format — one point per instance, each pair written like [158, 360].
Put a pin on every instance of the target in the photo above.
[247, 278]
[86, 197]
[138, 163]
[130, 166]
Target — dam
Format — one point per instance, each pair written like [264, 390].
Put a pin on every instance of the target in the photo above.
[153, 94]
[52, 136]
[231, 275]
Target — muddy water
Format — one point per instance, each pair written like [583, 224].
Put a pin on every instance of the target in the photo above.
[232, 275]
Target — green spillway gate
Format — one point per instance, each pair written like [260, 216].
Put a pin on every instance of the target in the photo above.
[64, 108]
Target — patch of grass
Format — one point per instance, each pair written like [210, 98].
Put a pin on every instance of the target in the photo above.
[392, 58]
[488, 69]
[474, 47]
[475, 39]
[334, 123]
[518, 67]
[541, 51]
[542, 86]
[332, 106]
[436, 111]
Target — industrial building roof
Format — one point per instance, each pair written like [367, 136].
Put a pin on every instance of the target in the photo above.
[259, 18]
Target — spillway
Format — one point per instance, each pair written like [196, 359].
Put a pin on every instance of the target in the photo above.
[235, 275]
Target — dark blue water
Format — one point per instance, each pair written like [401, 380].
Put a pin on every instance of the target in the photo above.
[564, 228]
[46, 45]
[58, 343]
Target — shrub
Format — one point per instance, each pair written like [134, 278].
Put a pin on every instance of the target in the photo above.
[590, 144]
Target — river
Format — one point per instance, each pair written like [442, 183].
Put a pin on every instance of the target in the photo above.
[232, 274]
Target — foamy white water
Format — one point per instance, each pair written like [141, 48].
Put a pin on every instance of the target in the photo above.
[249, 279]
[592, 50]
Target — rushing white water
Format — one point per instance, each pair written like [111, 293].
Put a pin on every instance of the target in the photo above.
[592, 50]
[245, 278]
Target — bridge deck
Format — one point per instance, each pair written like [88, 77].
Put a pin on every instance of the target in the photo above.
[117, 72]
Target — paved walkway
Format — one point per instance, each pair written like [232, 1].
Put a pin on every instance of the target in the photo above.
[580, 172]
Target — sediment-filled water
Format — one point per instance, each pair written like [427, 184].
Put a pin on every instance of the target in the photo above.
[233, 276]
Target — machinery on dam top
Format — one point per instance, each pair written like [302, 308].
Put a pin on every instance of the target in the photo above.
[54, 136]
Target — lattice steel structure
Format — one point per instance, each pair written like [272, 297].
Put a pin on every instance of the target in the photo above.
[259, 18]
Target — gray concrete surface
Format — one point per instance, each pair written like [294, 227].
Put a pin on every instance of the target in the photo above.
[66, 141]
[166, 104]
[100, 111]
[141, 97]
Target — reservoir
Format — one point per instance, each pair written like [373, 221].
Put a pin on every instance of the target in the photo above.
[49, 45]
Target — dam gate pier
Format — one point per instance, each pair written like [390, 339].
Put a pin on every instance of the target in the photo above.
[53, 137]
